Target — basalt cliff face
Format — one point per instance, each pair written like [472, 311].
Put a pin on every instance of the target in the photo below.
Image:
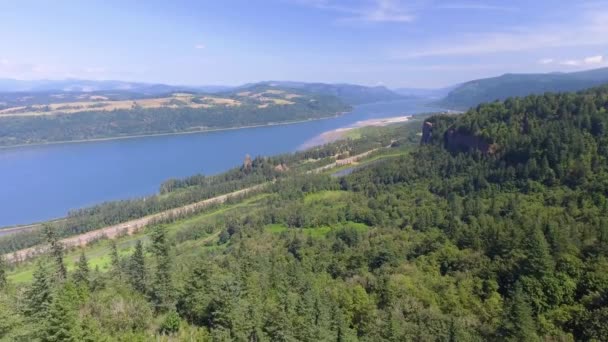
[459, 142]
[427, 131]
[456, 141]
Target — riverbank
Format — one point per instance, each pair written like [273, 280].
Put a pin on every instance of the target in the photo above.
[341, 133]
[80, 175]
[80, 141]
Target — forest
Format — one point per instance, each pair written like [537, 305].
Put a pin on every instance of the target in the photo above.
[496, 228]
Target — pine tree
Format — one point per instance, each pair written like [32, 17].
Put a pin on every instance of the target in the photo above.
[39, 295]
[115, 260]
[56, 251]
[3, 280]
[162, 287]
[538, 257]
[194, 298]
[518, 323]
[90, 331]
[82, 273]
[62, 320]
[137, 271]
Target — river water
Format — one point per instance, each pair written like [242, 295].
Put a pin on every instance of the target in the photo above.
[43, 182]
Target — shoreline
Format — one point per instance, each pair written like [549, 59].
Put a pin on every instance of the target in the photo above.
[135, 136]
[339, 133]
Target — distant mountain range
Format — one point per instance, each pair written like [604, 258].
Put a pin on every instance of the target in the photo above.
[77, 85]
[349, 93]
[460, 96]
[472, 93]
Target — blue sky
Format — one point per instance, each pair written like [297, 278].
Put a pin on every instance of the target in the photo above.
[407, 43]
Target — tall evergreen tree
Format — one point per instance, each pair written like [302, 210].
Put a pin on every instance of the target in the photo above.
[162, 287]
[39, 295]
[518, 323]
[82, 273]
[3, 280]
[538, 256]
[56, 249]
[115, 260]
[137, 268]
[62, 319]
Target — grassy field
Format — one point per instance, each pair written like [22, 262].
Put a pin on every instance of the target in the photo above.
[177, 100]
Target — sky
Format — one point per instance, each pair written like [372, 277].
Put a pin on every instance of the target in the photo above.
[396, 43]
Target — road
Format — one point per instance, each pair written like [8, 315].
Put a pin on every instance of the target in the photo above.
[128, 227]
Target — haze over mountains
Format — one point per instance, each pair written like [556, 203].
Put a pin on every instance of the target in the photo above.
[349, 93]
[461, 96]
[475, 92]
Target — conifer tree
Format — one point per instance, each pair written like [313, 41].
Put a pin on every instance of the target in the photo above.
[62, 319]
[538, 257]
[137, 271]
[82, 273]
[56, 249]
[115, 260]
[518, 323]
[39, 295]
[3, 280]
[162, 286]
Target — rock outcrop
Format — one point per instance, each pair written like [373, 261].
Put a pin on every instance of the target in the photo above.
[460, 142]
[427, 131]
[281, 168]
[455, 140]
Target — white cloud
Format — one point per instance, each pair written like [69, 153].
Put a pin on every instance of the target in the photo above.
[593, 60]
[474, 6]
[199, 46]
[392, 10]
[571, 62]
[386, 11]
[589, 29]
[587, 61]
[378, 11]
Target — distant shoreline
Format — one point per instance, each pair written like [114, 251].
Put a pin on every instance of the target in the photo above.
[337, 134]
[135, 136]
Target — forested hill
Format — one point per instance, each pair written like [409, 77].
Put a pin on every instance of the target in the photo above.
[495, 229]
[479, 91]
[349, 93]
[84, 116]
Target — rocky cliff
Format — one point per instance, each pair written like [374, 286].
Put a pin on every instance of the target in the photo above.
[461, 142]
[427, 131]
[457, 141]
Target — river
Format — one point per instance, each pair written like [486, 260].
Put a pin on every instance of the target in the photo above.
[44, 182]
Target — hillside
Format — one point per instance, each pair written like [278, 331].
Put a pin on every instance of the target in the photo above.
[472, 93]
[38, 89]
[84, 116]
[495, 228]
[349, 93]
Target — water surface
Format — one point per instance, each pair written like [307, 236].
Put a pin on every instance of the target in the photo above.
[43, 182]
